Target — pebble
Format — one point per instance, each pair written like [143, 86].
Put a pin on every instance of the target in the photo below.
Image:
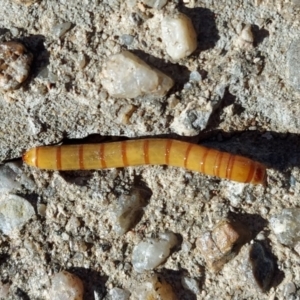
[222, 243]
[128, 209]
[15, 62]
[12, 178]
[191, 284]
[289, 289]
[245, 39]
[286, 226]
[60, 30]
[158, 4]
[233, 191]
[66, 286]
[126, 39]
[293, 64]
[194, 118]
[118, 294]
[179, 36]
[127, 76]
[149, 254]
[195, 76]
[15, 212]
[259, 267]
[155, 288]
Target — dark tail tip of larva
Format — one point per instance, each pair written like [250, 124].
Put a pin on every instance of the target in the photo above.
[260, 175]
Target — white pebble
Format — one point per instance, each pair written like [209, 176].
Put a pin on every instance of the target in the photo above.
[158, 4]
[15, 63]
[14, 213]
[195, 76]
[119, 294]
[12, 178]
[245, 39]
[293, 64]
[191, 284]
[179, 36]
[233, 192]
[151, 253]
[127, 76]
[127, 210]
[66, 286]
[286, 226]
[289, 289]
[59, 30]
[194, 118]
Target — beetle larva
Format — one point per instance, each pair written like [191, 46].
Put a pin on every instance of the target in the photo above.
[147, 152]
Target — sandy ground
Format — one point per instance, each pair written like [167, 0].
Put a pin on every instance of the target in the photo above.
[257, 115]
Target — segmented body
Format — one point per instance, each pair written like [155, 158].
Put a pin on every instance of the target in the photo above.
[147, 152]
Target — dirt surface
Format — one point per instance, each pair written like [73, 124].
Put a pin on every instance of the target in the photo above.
[256, 114]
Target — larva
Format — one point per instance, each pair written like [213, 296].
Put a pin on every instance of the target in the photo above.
[147, 152]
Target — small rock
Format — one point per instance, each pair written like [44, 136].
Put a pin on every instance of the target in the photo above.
[59, 30]
[222, 243]
[293, 64]
[233, 191]
[127, 210]
[126, 39]
[151, 253]
[41, 209]
[289, 289]
[12, 178]
[259, 267]
[191, 284]
[245, 39]
[297, 248]
[195, 76]
[194, 118]
[126, 75]
[286, 226]
[119, 294]
[66, 286]
[15, 212]
[178, 35]
[15, 62]
[158, 4]
[155, 288]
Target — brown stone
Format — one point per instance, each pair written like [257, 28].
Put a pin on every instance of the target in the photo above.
[222, 243]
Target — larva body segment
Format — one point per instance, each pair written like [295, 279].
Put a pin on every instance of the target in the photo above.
[144, 152]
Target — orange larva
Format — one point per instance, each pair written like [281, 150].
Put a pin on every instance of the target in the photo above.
[147, 152]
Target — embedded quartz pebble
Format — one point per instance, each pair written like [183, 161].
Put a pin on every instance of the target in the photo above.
[149, 254]
[125, 75]
[15, 212]
[178, 35]
[158, 4]
[66, 286]
[15, 63]
[127, 210]
[12, 178]
[119, 294]
[286, 226]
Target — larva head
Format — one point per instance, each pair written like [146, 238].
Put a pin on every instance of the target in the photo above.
[260, 174]
[29, 157]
